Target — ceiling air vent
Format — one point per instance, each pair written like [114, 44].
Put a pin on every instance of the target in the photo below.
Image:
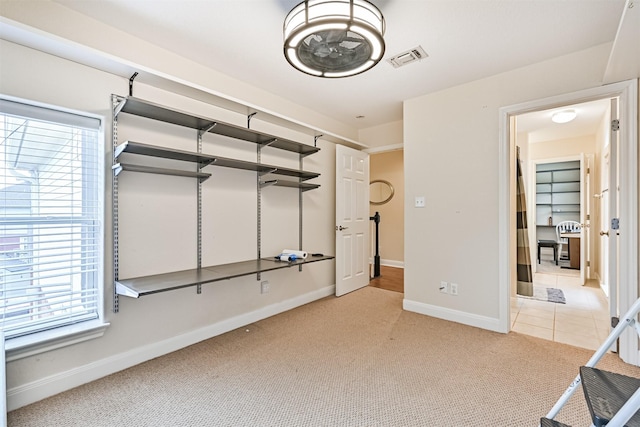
[405, 58]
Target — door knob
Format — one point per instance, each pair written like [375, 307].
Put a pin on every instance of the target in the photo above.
[340, 228]
[604, 233]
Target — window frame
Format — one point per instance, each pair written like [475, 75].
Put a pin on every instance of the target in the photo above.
[61, 336]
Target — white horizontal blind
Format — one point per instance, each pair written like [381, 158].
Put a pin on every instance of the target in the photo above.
[50, 218]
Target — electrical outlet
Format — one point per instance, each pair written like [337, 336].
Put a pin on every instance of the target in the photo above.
[419, 202]
[453, 289]
[444, 287]
[264, 287]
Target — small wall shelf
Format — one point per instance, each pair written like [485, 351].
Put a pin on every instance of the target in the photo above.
[163, 152]
[143, 108]
[205, 160]
[291, 184]
[141, 286]
[119, 167]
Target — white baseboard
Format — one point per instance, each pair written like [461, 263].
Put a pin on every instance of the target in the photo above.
[602, 285]
[388, 263]
[469, 319]
[54, 384]
[605, 289]
[392, 263]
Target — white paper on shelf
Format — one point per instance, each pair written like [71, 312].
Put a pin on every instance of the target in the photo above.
[298, 254]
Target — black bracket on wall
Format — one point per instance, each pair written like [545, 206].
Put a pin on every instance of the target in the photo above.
[131, 79]
[315, 140]
[249, 117]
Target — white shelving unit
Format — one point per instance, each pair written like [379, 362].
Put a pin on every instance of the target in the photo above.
[557, 193]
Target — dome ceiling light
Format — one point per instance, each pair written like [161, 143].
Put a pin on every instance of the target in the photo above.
[564, 116]
[334, 38]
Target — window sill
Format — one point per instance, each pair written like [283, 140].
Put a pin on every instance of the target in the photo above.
[30, 345]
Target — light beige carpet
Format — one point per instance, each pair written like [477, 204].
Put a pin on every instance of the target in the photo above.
[357, 360]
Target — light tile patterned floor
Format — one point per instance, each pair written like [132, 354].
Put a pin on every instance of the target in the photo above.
[583, 321]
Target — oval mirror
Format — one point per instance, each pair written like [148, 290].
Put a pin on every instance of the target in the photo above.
[380, 192]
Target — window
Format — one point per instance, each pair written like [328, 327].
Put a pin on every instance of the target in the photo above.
[51, 218]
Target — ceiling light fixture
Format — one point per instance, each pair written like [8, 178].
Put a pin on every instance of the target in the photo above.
[334, 38]
[564, 116]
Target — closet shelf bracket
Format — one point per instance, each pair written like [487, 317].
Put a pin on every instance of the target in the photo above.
[206, 129]
[119, 106]
[270, 142]
[131, 83]
[268, 183]
[268, 171]
[249, 117]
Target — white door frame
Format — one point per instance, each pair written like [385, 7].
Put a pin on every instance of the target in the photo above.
[627, 92]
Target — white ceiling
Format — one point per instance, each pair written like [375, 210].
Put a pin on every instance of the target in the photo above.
[540, 128]
[465, 39]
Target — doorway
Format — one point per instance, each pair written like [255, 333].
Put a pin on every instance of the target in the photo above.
[627, 240]
[560, 167]
[387, 199]
[562, 199]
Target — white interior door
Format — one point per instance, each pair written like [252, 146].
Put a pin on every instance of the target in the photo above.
[611, 230]
[586, 166]
[352, 219]
[604, 227]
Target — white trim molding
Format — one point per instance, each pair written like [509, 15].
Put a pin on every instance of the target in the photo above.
[457, 316]
[392, 263]
[30, 345]
[388, 263]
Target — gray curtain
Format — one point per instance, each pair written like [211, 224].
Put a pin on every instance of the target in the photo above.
[525, 278]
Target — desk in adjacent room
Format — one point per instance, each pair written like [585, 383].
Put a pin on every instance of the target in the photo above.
[573, 249]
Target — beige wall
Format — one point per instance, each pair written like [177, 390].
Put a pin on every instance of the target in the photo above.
[562, 148]
[452, 157]
[158, 229]
[383, 135]
[388, 166]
